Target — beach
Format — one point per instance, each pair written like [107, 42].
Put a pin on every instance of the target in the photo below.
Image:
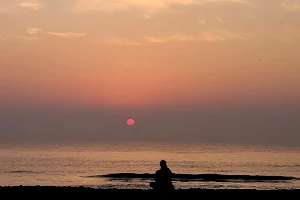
[86, 193]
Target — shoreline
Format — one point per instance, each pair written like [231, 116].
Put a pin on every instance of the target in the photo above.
[201, 177]
[57, 191]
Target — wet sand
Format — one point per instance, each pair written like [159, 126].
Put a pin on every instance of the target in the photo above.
[90, 193]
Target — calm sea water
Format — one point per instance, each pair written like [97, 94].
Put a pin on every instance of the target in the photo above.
[74, 164]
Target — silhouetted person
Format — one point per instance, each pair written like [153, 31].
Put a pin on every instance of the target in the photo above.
[163, 179]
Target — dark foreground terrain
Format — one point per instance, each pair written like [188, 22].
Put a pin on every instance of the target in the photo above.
[45, 192]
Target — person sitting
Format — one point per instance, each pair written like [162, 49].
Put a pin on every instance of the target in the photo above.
[163, 178]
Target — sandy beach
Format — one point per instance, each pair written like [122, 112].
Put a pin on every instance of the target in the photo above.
[54, 192]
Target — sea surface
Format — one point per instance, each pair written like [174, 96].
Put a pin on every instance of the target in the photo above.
[89, 164]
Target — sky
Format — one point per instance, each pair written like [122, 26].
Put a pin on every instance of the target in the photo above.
[185, 70]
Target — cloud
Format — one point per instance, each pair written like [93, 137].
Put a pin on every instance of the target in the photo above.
[214, 36]
[291, 6]
[66, 34]
[145, 5]
[185, 38]
[204, 21]
[219, 20]
[34, 30]
[33, 4]
[2, 38]
[120, 41]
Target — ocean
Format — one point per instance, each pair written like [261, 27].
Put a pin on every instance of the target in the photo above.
[103, 164]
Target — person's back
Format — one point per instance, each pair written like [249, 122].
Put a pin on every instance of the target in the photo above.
[163, 178]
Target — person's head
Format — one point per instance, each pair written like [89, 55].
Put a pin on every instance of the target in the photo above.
[163, 163]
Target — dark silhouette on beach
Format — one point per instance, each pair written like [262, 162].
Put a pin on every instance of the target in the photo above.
[163, 179]
[202, 177]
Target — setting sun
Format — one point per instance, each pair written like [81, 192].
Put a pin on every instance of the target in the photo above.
[130, 122]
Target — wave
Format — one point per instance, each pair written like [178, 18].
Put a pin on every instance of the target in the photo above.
[198, 177]
[24, 172]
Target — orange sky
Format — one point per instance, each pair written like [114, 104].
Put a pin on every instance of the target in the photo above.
[145, 53]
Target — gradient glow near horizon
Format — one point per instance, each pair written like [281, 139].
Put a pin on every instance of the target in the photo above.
[139, 52]
[156, 53]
